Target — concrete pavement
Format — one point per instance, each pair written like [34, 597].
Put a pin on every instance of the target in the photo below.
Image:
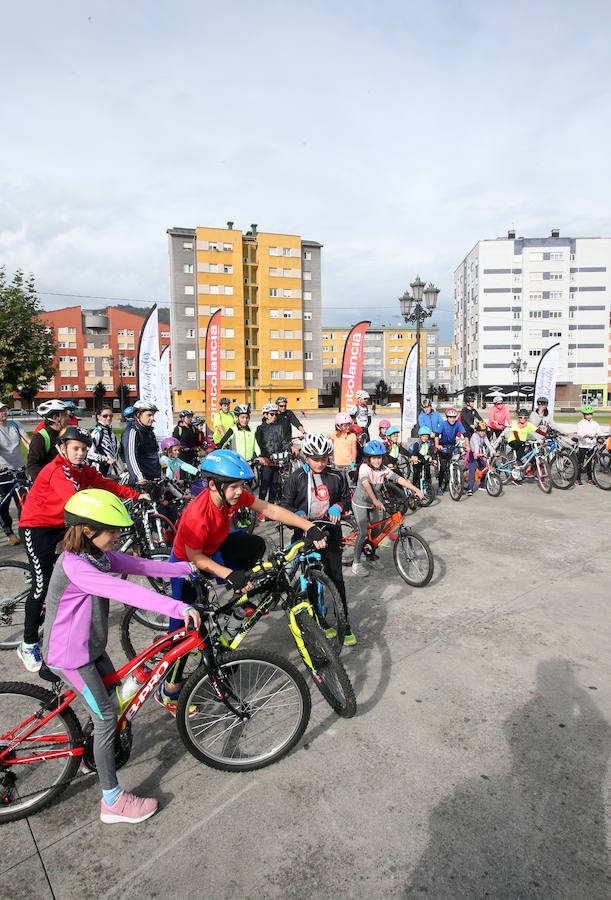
[477, 764]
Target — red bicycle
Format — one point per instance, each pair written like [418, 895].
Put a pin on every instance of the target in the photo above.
[237, 712]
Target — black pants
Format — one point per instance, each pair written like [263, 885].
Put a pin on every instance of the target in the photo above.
[268, 483]
[581, 455]
[40, 544]
[519, 447]
[444, 457]
[5, 515]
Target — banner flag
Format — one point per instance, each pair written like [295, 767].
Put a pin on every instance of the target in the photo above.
[352, 366]
[164, 421]
[409, 410]
[213, 367]
[545, 379]
[148, 358]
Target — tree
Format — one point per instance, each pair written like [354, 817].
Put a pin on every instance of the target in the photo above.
[123, 393]
[27, 345]
[27, 394]
[381, 391]
[99, 392]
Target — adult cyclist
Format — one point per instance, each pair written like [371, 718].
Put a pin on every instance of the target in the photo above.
[287, 418]
[187, 434]
[140, 446]
[469, 416]
[203, 536]
[223, 419]
[360, 413]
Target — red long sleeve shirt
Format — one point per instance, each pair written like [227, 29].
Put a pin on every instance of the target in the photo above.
[55, 484]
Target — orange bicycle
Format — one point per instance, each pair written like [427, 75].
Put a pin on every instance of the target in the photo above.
[412, 555]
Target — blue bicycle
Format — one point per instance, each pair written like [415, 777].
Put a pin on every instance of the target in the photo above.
[509, 469]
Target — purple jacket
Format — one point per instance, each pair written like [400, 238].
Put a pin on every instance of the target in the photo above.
[76, 621]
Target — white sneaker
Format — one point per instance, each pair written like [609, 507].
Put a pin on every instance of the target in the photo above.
[30, 656]
[376, 564]
[360, 569]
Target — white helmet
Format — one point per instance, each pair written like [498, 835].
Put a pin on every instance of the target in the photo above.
[50, 407]
[498, 399]
[241, 408]
[362, 395]
[141, 406]
[316, 444]
[270, 407]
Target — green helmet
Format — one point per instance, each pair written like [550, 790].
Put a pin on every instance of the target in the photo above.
[587, 409]
[96, 508]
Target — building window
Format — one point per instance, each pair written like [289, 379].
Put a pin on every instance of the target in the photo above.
[538, 295]
[273, 292]
[227, 332]
[188, 268]
[307, 316]
[189, 311]
[556, 295]
[187, 245]
[190, 354]
[307, 254]
[227, 311]
[307, 295]
[287, 314]
[228, 270]
[190, 332]
[536, 276]
[191, 376]
[534, 353]
[556, 256]
[228, 374]
[309, 376]
[555, 334]
[556, 276]
[535, 314]
[307, 355]
[286, 251]
[307, 276]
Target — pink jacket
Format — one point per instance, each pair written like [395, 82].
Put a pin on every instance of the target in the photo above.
[499, 416]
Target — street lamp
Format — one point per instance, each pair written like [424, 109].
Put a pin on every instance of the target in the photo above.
[517, 366]
[412, 311]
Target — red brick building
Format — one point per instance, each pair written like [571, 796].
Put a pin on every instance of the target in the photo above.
[94, 347]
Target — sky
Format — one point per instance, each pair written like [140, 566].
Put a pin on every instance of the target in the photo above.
[397, 134]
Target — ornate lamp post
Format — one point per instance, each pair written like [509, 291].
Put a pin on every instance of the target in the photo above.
[517, 366]
[413, 311]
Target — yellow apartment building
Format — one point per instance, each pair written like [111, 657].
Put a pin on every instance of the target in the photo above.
[268, 287]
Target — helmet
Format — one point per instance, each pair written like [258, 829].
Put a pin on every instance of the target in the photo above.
[74, 433]
[128, 411]
[374, 448]
[362, 395]
[224, 400]
[498, 399]
[542, 401]
[356, 429]
[141, 406]
[451, 412]
[392, 430]
[185, 412]
[169, 442]
[587, 409]
[383, 423]
[317, 445]
[49, 408]
[69, 404]
[343, 419]
[281, 400]
[269, 407]
[242, 408]
[424, 430]
[425, 402]
[199, 421]
[522, 412]
[226, 465]
[97, 508]
[469, 398]
[480, 425]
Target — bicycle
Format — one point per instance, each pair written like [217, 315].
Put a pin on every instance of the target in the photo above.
[493, 485]
[251, 708]
[600, 457]
[412, 555]
[510, 469]
[456, 473]
[19, 487]
[562, 462]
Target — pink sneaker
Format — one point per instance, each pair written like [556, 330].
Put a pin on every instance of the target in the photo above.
[128, 808]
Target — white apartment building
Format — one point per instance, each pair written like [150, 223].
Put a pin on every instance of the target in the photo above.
[514, 297]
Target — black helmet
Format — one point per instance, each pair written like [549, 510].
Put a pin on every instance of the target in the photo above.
[469, 398]
[74, 433]
[224, 400]
[522, 412]
[542, 401]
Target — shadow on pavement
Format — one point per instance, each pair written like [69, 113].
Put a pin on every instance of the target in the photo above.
[539, 831]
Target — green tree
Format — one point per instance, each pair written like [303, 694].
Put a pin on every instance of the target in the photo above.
[27, 347]
[27, 394]
[99, 392]
[123, 393]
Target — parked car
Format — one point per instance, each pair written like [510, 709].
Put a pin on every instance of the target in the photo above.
[16, 411]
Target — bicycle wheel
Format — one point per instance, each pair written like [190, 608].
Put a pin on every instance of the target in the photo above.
[15, 581]
[563, 470]
[29, 787]
[272, 704]
[161, 585]
[601, 469]
[455, 481]
[502, 466]
[327, 604]
[494, 485]
[326, 670]
[349, 535]
[413, 558]
[544, 479]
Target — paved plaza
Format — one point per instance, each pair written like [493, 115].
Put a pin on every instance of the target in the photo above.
[476, 766]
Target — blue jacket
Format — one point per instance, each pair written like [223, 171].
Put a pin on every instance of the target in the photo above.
[447, 434]
[432, 420]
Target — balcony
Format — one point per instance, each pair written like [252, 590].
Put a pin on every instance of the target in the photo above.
[99, 323]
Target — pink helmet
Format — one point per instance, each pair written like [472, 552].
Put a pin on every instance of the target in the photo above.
[169, 442]
[383, 423]
[343, 419]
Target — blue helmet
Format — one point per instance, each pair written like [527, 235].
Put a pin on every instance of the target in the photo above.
[424, 430]
[69, 404]
[185, 412]
[226, 465]
[374, 448]
[392, 430]
[128, 411]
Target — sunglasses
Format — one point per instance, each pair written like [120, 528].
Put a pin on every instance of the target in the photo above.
[106, 416]
[271, 414]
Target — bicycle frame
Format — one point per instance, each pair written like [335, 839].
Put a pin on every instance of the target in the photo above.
[388, 525]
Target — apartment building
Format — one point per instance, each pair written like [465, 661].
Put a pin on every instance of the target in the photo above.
[386, 348]
[514, 297]
[92, 347]
[268, 286]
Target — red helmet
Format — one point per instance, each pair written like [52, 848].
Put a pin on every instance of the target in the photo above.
[451, 412]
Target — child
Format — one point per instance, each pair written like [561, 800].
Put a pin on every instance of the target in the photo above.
[519, 437]
[344, 443]
[475, 457]
[392, 444]
[366, 499]
[587, 430]
[76, 625]
[383, 427]
[421, 453]
[170, 450]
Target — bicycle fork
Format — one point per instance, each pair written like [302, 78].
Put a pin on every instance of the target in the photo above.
[296, 631]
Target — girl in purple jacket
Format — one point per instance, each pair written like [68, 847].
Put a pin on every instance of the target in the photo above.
[76, 625]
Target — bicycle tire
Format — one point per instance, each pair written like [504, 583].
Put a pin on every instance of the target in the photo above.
[502, 467]
[544, 479]
[265, 682]
[494, 485]
[563, 470]
[413, 558]
[601, 470]
[327, 671]
[161, 585]
[27, 700]
[455, 480]
[429, 494]
[328, 609]
[15, 582]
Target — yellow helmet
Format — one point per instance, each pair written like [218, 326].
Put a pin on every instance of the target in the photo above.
[97, 508]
